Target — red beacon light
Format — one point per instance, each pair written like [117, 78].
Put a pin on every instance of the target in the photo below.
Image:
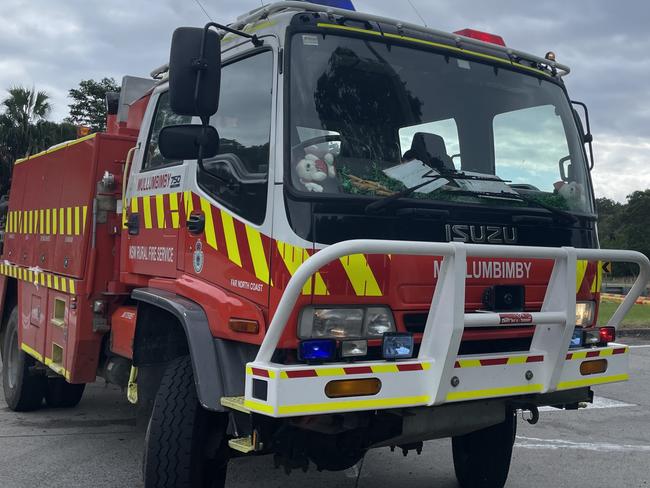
[482, 36]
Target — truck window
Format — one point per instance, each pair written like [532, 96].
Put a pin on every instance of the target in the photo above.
[528, 145]
[237, 177]
[446, 131]
[163, 117]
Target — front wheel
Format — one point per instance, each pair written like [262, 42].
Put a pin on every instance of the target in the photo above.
[24, 388]
[185, 445]
[482, 458]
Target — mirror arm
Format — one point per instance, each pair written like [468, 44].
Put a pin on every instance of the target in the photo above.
[257, 42]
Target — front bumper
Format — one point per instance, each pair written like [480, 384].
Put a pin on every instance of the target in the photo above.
[289, 391]
[439, 376]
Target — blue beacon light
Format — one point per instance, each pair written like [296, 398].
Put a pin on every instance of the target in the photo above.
[344, 4]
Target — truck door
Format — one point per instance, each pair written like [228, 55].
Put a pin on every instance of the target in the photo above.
[154, 197]
[227, 238]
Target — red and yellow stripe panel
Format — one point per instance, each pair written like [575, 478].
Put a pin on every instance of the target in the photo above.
[57, 368]
[598, 353]
[340, 371]
[589, 277]
[67, 221]
[248, 248]
[40, 278]
[504, 361]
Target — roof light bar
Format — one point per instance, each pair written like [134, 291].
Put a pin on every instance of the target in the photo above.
[482, 36]
[344, 4]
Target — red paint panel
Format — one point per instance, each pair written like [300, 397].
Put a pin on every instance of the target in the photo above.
[535, 359]
[593, 354]
[409, 367]
[620, 350]
[358, 370]
[494, 361]
[123, 322]
[261, 372]
[302, 373]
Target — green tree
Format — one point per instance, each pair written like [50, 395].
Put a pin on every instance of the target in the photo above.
[635, 226]
[625, 226]
[23, 108]
[88, 105]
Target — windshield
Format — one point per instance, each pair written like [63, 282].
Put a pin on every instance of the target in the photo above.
[370, 118]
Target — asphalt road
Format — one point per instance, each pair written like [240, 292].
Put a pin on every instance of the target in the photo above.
[98, 445]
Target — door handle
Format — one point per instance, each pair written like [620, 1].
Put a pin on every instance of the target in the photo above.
[196, 223]
[133, 224]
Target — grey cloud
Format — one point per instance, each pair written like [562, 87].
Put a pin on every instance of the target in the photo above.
[55, 44]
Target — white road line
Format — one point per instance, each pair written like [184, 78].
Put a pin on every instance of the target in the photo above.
[645, 346]
[599, 402]
[554, 444]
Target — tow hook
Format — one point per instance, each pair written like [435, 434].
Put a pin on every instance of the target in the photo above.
[530, 414]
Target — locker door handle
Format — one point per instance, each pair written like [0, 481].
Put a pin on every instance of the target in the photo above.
[196, 223]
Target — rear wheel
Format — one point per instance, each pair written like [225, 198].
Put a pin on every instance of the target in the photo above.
[61, 394]
[185, 445]
[24, 388]
[482, 458]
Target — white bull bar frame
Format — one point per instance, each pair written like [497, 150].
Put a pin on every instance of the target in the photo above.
[292, 390]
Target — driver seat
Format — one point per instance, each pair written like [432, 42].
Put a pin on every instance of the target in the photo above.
[431, 150]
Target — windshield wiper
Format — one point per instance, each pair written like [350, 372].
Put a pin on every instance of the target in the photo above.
[445, 173]
[377, 205]
[517, 197]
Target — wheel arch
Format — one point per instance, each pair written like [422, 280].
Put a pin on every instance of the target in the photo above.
[169, 326]
[8, 299]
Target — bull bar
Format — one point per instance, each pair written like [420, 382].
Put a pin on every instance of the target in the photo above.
[438, 375]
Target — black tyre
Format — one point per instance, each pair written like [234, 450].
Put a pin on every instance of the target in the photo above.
[61, 394]
[185, 445]
[482, 458]
[24, 388]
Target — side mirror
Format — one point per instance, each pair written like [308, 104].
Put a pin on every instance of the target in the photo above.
[587, 138]
[195, 71]
[179, 142]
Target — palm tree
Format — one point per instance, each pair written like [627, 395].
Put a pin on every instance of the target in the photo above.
[25, 107]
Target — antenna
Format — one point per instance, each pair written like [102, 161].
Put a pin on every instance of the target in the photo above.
[204, 11]
[417, 13]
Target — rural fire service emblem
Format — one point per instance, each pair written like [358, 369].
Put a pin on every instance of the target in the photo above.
[198, 257]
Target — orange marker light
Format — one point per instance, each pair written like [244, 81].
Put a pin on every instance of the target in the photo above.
[243, 325]
[353, 388]
[593, 367]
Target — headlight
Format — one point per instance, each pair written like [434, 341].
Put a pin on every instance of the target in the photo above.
[585, 313]
[345, 322]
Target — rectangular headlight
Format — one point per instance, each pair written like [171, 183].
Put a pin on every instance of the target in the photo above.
[345, 322]
[585, 313]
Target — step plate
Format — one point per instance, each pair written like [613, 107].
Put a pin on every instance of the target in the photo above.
[235, 403]
[243, 444]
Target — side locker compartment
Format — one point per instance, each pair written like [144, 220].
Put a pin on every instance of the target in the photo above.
[32, 319]
[77, 165]
[58, 322]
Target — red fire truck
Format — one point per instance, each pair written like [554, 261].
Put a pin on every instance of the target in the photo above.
[314, 233]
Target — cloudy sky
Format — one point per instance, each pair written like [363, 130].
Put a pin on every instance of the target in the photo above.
[55, 44]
